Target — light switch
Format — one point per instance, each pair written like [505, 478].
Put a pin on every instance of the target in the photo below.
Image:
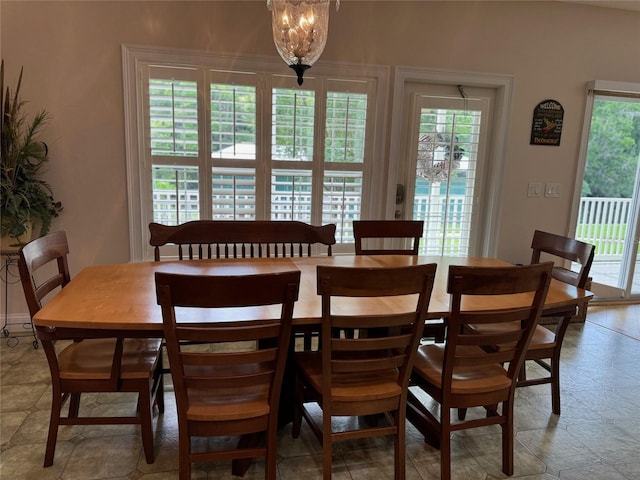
[534, 189]
[552, 190]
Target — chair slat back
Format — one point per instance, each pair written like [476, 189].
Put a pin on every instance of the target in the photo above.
[387, 229]
[241, 239]
[245, 354]
[511, 297]
[35, 255]
[397, 333]
[546, 245]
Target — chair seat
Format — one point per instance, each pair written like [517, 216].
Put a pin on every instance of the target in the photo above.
[350, 387]
[93, 359]
[466, 379]
[543, 338]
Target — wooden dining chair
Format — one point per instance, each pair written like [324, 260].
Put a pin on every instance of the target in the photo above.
[233, 388]
[408, 230]
[467, 371]
[546, 345]
[87, 363]
[363, 376]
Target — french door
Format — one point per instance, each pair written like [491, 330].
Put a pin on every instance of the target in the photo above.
[445, 147]
[609, 204]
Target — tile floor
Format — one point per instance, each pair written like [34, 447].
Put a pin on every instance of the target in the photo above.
[597, 437]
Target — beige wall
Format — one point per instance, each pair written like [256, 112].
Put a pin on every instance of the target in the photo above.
[71, 53]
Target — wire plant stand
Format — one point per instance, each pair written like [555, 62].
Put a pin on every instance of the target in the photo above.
[9, 275]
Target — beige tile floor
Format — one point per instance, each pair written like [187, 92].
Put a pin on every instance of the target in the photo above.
[597, 437]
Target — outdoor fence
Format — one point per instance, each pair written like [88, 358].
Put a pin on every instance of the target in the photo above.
[601, 221]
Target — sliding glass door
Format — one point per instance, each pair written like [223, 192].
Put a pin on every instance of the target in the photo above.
[609, 206]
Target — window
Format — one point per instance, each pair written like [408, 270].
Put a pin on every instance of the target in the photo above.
[212, 138]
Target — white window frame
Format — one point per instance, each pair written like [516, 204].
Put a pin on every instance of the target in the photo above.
[135, 58]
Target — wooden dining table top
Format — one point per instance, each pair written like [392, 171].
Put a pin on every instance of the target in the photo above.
[123, 296]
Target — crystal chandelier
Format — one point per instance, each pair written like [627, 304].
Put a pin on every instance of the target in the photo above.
[300, 29]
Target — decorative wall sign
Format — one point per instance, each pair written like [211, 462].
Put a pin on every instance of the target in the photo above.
[546, 126]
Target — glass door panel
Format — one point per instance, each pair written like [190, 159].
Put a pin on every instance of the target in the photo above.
[609, 204]
[446, 148]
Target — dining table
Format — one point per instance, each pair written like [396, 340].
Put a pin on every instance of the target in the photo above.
[120, 299]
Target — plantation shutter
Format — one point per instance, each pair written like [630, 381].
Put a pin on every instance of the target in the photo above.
[446, 173]
[174, 144]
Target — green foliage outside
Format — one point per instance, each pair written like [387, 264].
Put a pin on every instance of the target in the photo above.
[612, 163]
[614, 149]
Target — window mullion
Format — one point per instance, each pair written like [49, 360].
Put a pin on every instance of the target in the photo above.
[318, 166]
[264, 107]
[204, 134]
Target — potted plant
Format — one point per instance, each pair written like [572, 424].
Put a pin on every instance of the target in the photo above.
[25, 198]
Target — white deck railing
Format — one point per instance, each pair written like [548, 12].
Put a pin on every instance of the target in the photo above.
[601, 221]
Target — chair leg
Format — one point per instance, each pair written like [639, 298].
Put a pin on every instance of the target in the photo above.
[441, 334]
[158, 385]
[399, 418]
[146, 430]
[555, 381]
[307, 341]
[561, 330]
[54, 423]
[326, 446]
[184, 453]
[239, 466]
[297, 407]
[160, 395]
[522, 375]
[445, 443]
[271, 457]
[507, 439]
[74, 405]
